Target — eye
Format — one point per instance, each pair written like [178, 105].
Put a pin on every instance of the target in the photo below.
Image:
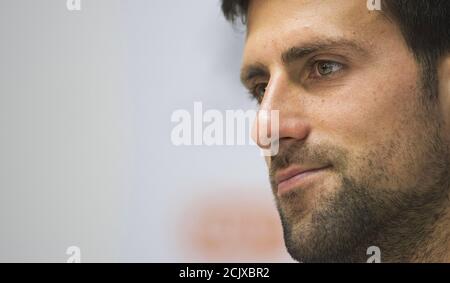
[257, 92]
[326, 68]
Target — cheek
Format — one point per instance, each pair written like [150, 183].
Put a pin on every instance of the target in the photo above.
[369, 115]
[378, 125]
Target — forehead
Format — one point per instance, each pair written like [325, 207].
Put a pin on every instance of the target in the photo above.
[276, 25]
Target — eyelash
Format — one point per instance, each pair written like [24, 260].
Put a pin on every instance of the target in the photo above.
[313, 67]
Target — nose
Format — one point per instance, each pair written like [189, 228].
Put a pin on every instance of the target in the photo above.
[284, 98]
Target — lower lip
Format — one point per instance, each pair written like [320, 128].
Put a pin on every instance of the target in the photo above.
[298, 181]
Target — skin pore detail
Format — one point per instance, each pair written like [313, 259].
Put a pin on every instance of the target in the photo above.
[353, 106]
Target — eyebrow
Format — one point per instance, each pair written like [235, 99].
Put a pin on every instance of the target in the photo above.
[296, 53]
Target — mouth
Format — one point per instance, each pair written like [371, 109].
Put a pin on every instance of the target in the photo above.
[295, 177]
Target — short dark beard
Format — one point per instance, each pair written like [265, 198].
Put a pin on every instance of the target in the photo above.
[359, 216]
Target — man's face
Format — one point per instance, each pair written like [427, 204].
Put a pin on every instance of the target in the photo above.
[352, 108]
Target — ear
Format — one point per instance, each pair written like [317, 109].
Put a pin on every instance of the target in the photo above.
[444, 91]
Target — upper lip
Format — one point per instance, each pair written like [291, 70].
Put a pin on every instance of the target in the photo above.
[286, 174]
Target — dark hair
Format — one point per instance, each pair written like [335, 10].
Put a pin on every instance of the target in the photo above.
[425, 25]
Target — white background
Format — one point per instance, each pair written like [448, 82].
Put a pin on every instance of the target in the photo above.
[85, 153]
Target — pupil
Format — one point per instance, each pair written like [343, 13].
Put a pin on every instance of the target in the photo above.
[325, 68]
